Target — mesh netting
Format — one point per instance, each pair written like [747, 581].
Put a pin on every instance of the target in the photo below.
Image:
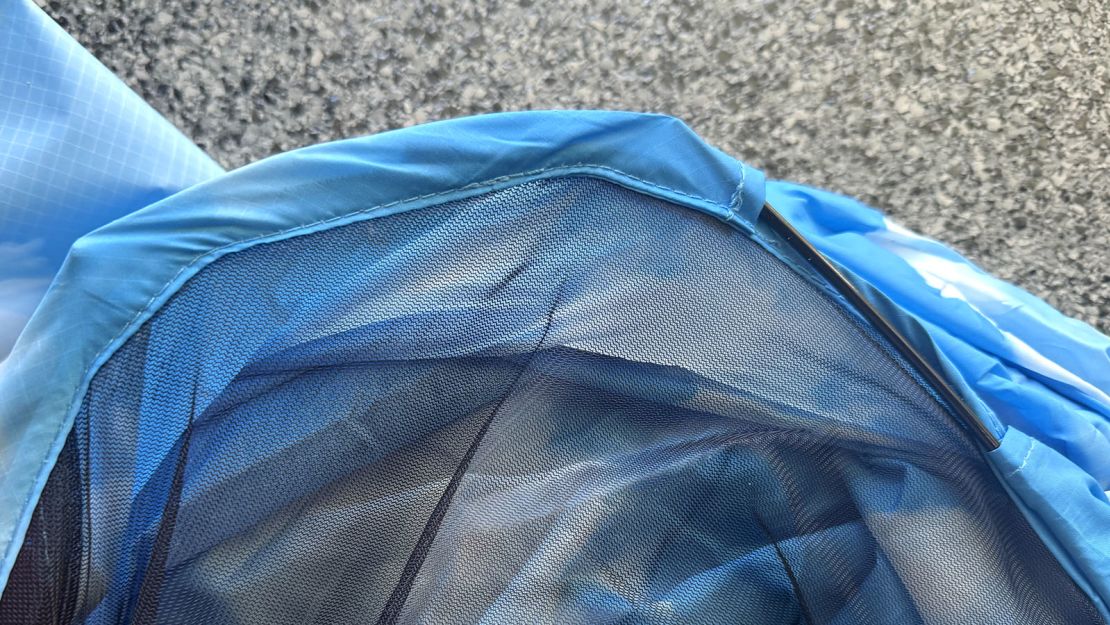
[563, 402]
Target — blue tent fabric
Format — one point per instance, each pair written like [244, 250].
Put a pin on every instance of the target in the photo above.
[1013, 349]
[97, 301]
[77, 150]
[453, 161]
[1069, 503]
[1041, 375]
[80, 150]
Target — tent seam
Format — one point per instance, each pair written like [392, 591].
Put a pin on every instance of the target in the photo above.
[104, 353]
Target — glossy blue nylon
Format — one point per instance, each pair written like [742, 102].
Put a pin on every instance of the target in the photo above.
[562, 401]
[1043, 377]
[370, 177]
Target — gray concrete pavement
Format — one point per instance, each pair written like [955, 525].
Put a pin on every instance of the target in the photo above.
[983, 124]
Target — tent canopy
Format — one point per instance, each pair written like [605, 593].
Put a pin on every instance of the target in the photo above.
[530, 367]
[536, 366]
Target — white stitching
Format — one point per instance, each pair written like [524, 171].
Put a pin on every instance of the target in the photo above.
[1025, 460]
[737, 198]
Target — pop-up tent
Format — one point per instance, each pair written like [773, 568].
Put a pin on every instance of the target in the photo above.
[545, 367]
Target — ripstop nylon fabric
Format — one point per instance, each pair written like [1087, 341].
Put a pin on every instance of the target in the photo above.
[564, 401]
[78, 149]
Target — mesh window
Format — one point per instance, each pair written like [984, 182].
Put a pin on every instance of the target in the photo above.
[563, 402]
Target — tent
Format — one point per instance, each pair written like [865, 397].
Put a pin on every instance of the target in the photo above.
[538, 367]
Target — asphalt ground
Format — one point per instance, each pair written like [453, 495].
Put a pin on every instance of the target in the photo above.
[982, 124]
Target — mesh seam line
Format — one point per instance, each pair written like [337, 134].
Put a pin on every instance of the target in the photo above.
[795, 586]
[398, 598]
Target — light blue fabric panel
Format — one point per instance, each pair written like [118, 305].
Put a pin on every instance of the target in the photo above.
[1037, 369]
[77, 150]
[73, 332]
[1045, 377]
[1063, 498]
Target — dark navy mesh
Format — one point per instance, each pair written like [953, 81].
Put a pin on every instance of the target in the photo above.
[559, 403]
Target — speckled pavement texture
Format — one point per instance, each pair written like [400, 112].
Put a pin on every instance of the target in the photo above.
[983, 124]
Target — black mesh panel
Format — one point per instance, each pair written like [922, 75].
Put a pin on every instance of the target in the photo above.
[563, 402]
